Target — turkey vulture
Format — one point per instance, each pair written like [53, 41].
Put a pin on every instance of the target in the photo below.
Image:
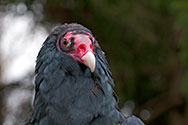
[73, 84]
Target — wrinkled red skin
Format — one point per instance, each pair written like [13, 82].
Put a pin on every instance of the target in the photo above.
[82, 44]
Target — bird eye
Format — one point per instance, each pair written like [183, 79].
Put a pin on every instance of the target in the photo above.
[65, 43]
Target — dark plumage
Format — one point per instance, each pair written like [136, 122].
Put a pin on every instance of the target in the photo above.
[67, 91]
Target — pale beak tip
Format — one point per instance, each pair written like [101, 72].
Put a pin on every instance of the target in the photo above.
[89, 60]
[92, 70]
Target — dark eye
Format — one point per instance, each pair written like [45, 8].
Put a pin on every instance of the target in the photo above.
[65, 43]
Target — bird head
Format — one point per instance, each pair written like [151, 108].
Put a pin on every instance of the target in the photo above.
[77, 42]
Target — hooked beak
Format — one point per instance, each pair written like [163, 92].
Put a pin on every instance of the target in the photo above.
[89, 60]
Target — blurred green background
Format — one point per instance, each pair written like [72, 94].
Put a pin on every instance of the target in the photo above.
[146, 45]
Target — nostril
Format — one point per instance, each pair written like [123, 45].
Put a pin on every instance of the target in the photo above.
[91, 47]
[82, 48]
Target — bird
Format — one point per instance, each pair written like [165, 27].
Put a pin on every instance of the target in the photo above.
[73, 82]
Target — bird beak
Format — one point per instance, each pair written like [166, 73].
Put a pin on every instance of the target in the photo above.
[89, 60]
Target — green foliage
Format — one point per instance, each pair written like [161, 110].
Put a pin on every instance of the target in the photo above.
[181, 8]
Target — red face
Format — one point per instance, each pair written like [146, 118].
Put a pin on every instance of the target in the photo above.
[79, 47]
